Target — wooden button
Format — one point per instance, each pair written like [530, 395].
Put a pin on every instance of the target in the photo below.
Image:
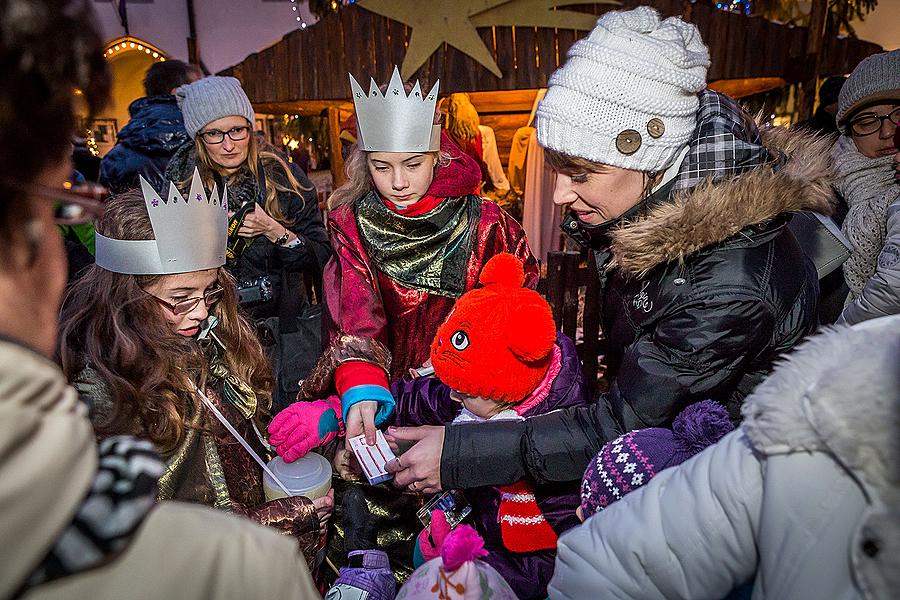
[628, 142]
[656, 128]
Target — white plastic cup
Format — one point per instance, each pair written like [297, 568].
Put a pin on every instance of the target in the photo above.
[309, 476]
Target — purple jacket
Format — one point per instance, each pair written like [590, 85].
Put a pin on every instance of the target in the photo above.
[426, 401]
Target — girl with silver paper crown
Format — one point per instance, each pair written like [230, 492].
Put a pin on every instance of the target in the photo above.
[410, 237]
[151, 328]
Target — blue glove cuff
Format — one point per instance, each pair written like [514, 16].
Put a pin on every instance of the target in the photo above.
[375, 393]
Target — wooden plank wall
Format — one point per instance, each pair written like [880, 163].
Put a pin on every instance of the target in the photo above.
[312, 64]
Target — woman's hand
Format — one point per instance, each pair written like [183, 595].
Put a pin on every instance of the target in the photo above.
[361, 419]
[324, 507]
[418, 470]
[258, 222]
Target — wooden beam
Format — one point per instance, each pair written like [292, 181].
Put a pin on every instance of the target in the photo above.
[814, 44]
[334, 146]
[739, 88]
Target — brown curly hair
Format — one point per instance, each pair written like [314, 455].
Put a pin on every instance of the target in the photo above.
[112, 325]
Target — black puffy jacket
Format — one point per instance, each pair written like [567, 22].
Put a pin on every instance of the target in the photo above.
[145, 145]
[702, 289]
[262, 257]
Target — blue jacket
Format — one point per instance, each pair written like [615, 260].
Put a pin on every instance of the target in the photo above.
[145, 145]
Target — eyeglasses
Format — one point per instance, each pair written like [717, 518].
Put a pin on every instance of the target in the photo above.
[869, 123]
[71, 205]
[185, 306]
[235, 134]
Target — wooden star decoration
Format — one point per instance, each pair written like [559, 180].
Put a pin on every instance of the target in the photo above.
[454, 23]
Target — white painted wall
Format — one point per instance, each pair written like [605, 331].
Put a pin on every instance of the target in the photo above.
[227, 30]
[882, 26]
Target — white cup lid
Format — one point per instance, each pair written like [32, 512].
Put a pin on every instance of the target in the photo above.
[301, 476]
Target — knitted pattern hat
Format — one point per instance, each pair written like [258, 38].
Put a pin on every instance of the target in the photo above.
[875, 78]
[631, 460]
[211, 98]
[627, 95]
[497, 342]
[457, 574]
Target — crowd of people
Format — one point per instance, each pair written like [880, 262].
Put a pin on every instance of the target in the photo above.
[746, 445]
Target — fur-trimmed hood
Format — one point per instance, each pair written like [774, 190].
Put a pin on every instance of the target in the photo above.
[838, 393]
[715, 211]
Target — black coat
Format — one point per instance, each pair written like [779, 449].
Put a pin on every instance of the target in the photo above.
[262, 257]
[145, 145]
[701, 291]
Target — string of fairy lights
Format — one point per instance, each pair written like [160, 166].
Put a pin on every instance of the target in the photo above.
[319, 8]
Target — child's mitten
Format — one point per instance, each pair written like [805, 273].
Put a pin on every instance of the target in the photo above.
[430, 540]
[303, 426]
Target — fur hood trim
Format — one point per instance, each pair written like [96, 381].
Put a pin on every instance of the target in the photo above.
[712, 212]
[838, 393]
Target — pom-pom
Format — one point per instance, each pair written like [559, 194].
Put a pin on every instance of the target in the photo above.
[461, 546]
[700, 425]
[504, 269]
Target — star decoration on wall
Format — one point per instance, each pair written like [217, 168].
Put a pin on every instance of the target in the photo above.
[455, 23]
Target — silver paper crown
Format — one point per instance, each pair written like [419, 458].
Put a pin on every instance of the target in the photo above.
[393, 121]
[191, 234]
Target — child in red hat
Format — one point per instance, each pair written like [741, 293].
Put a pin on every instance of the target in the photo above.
[496, 356]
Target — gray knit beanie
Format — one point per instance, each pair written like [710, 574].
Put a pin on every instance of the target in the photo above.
[875, 78]
[627, 94]
[211, 98]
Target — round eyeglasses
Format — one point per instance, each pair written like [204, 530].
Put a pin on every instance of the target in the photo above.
[185, 306]
[869, 123]
[235, 134]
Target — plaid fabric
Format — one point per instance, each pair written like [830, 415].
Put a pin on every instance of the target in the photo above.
[725, 143]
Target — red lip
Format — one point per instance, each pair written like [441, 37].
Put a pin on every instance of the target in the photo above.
[189, 332]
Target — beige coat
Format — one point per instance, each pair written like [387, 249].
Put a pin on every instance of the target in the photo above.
[48, 459]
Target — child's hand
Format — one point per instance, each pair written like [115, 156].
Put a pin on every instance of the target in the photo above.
[346, 465]
[303, 426]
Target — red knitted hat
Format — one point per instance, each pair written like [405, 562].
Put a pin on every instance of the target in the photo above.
[497, 342]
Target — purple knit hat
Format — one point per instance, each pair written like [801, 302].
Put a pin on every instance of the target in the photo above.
[631, 460]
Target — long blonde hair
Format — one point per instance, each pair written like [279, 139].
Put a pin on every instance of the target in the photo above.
[359, 179]
[270, 159]
[462, 118]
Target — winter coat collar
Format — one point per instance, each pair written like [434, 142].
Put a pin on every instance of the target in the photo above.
[242, 185]
[568, 387]
[712, 212]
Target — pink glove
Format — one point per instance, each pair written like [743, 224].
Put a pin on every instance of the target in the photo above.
[303, 426]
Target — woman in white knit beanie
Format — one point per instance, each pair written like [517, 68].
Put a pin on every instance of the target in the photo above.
[686, 209]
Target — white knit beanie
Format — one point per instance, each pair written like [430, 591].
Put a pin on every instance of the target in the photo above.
[627, 95]
[876, 78]
[211, 98]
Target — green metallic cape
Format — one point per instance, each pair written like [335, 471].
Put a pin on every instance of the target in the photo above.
[430, 252]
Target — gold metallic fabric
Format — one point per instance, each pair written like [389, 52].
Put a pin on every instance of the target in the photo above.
[428, 253]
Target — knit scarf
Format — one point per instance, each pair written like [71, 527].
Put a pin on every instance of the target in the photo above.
[867, 185]
[121, 496]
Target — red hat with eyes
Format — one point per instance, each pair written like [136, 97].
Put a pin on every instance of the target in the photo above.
[497, 342]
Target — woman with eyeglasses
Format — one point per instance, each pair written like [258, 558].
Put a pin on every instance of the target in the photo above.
[137, 348]
[868, 116]
[282, 233]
